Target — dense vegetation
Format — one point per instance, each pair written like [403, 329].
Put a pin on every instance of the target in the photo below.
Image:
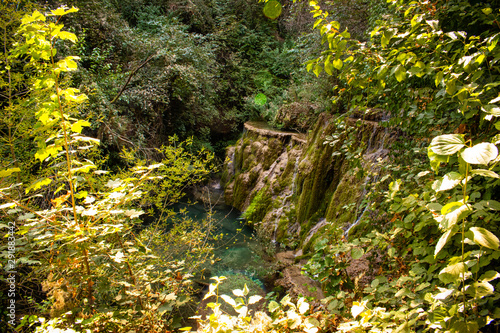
[110, 112]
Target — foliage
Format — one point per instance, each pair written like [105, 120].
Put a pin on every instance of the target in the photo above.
[434, 69]
[284, 316]
[98, 272]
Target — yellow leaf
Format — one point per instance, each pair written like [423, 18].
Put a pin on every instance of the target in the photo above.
[60, 200]
[78, 126]
[8, 172]
[62, 11]
[68, 35]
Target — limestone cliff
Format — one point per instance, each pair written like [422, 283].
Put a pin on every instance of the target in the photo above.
[294, 187]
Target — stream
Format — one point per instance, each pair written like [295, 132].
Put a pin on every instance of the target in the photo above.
[238, 250]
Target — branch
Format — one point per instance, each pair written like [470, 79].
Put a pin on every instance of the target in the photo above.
[130, 77]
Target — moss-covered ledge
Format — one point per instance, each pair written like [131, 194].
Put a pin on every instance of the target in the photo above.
[262, 128]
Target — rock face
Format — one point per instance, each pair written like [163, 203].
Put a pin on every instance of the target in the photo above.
[293, 187]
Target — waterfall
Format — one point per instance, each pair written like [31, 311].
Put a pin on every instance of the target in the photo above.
[346, 232]
[295, 172]
[370, 157]
[293, 188]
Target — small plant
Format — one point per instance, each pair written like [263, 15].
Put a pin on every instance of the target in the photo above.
[284, 316]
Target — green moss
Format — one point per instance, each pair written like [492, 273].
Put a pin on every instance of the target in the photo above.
[243, 185]
[274, 150]
[258, 206]
[343, 204]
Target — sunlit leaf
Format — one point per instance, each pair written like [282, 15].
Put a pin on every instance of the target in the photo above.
[449, 181]
[238, 292]
[400, 73]
[481, 153]
[357, 309]
[447, 144]
[442, 241]
[454, 213]
[337, 63]
[273, 306]
[228, 300]
[254, 299]
[481, 289]
[453, 273]
[485, 173]
[38, 184]
[8, 172]
[302, 305]
[63, 10]
[444, 294]
[7, 205]
[485, 238]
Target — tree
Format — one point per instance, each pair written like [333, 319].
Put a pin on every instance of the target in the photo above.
[82, 238]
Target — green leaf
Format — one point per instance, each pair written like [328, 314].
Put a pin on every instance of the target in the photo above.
[485, 238]
[454, 213]
[400, 73]
[491, 204]
[496, 139]
[273, 306]
[317, 69]
[468, 327]
[453, 273]
[328, 68]
[481, 289]
[451, 86]
[447, 144]
[272, 9]
[486, 11]
[386, 37]
[489, 276]
[357, 253]
[438, 78]
[436, 160]
[481, 153]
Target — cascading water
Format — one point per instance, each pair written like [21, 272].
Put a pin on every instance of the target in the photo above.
[285, 198]
[371, 157]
